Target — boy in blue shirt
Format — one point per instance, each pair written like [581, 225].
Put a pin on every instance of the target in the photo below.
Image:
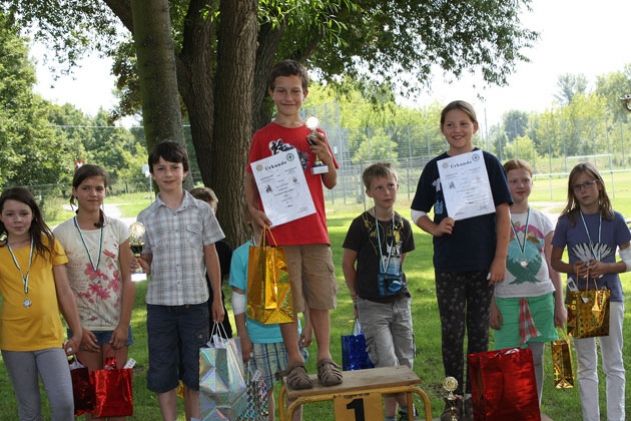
[374, 249]
[180, 232]
[261, 344]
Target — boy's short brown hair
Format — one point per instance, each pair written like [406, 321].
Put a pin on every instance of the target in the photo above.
[288, 68]
[169, 151]
[378, 170]
[207, 195]
[516, 164]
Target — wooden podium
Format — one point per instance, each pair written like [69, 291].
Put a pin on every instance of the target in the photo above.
[360, 396]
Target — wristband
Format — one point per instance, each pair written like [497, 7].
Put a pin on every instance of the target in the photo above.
[416, 215]
[238, 302]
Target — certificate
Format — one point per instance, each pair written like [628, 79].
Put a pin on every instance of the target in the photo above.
[283, 187]
[465, 185]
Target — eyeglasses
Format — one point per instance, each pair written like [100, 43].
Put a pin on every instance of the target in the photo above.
[585, 185]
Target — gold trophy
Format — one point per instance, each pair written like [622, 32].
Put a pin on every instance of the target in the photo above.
[318, 166]
[450, 384]
[137, 241]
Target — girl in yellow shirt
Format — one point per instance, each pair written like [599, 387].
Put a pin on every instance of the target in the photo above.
[34, 287]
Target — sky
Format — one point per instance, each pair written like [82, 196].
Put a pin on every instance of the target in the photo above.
[576, 36]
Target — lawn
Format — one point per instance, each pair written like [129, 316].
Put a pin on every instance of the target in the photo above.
[558, 404]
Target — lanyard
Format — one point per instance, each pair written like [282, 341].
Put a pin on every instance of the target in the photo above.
[85, 246]
[591, 243]
[389, 247]
[522, 245]
[25, 278]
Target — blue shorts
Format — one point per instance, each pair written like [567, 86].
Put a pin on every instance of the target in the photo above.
[103, 336]
[175, 334]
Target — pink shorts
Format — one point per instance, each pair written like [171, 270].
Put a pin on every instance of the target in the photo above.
[312, 276]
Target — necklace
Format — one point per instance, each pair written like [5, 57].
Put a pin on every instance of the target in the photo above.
[25, 278]
[592, 247]
[522, 245]
[85, 246]
[389, 247]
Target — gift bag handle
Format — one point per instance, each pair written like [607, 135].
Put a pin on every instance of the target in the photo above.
[586, 283]
[357, 328]
[263, 240]
[219, 330]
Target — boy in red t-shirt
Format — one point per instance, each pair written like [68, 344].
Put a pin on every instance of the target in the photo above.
[306, 240]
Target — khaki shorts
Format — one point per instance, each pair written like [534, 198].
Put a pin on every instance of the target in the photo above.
[312, 276]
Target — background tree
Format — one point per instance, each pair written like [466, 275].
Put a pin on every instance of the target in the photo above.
[378, 147]
[515, 124]
[155, 66]
[612, 87]
[570, 85]
[368, 40]
[31, 153]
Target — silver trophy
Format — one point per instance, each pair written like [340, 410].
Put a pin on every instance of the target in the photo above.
[137, 241]
[318, 166]
[450, 384]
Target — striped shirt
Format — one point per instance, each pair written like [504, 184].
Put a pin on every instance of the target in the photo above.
[176, 239]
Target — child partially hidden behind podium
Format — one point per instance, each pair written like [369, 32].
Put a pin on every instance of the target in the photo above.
[374, 249]
[261, 344]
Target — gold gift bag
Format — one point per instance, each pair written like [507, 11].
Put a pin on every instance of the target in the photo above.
[588, 313]
[269, 297]
[562, 363]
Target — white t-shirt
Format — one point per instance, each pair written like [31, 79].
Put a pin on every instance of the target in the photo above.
[526, 270]
[98, 292]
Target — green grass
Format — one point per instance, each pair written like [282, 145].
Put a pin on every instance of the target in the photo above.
[558, 404]
[130, 204]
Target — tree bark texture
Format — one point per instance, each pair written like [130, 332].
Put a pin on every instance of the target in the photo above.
[236, 57]
[195, 76]
[162, 118]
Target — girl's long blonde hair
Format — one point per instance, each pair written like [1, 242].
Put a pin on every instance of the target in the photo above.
[573, 208]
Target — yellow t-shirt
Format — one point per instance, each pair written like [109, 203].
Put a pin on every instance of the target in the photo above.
[39, 326]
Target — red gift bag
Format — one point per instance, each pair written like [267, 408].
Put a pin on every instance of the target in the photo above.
[503, 385]
[82, 388]
[113, 391]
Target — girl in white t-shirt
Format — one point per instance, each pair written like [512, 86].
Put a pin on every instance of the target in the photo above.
[528, 304]
[99, 269]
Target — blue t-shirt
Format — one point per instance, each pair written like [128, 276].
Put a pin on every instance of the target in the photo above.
[471, 245]
[259, 333]
[603, 246]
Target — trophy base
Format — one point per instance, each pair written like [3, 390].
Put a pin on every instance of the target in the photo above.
[319, 169]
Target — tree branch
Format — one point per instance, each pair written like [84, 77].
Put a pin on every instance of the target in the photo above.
[122, 9]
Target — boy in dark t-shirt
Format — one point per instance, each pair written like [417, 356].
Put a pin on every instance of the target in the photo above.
[374, 249]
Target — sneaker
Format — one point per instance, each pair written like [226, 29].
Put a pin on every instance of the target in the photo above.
[453, 410]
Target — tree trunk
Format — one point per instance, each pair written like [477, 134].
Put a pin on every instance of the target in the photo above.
[195, 81]
[162, 118]
[269, 38]
[236, 58]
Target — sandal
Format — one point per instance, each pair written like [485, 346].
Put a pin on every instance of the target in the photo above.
[329, 373]
[297, 377]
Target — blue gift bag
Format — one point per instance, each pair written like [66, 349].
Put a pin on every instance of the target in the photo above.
[354, 353]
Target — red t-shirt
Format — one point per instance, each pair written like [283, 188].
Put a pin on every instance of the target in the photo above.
[275, 138]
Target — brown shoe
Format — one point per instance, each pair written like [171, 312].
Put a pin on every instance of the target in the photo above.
[329, 373]
[297, 377]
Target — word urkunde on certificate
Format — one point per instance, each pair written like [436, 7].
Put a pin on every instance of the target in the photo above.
[465, 185]
[282, 187]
